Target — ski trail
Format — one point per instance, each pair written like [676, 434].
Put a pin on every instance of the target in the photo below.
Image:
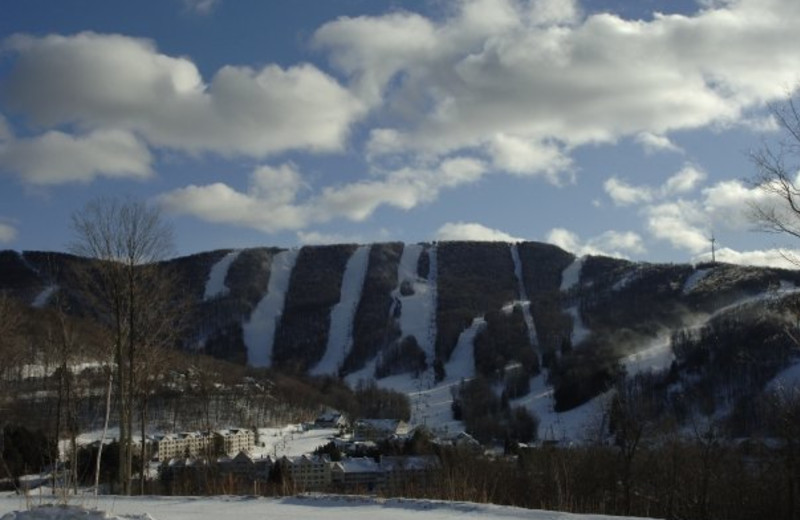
[259, 330]
[523, 296]
[340, 335]
[417, 308]
[572, 274]
[433, 281]
[41, 299]
[215, 285]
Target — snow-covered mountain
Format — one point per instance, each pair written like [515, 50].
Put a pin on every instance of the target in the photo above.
[422, 318]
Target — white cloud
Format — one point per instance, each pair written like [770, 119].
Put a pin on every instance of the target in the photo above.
[203, 7]
[684, 181]
[8, 233]
[547, 74]
[782, 258]
[317, 238]
[271, 203]
[474, 232]
[525, 157]
[55, 157]
[681, 223]
[610, 243]
[101, 81]
[656, 143]
[624, 194]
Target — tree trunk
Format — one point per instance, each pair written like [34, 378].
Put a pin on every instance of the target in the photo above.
[105, 430]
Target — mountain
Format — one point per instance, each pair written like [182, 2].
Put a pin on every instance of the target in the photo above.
[526, 317]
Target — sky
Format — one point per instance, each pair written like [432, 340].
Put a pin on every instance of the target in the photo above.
[603, 126]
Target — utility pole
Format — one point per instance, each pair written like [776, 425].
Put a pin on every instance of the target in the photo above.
[713, 249]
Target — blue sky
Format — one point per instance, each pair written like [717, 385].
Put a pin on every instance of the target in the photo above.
[603, 126]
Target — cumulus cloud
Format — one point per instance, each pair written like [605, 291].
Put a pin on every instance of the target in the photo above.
[8, 233]
[56, 157]
[318, 238]
[684, 181]
[781, 258]
[682, 223]
[272, 203]
[624, 194]
[100, 81]
[610, 243]
[542, 72]
[656, 143]
[474, 232]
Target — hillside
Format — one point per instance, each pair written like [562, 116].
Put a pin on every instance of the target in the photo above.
[546, 331]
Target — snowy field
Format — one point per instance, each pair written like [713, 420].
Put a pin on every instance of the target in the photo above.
[289, 508]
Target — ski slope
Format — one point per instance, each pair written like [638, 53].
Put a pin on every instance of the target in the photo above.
[259, 330]
[523, 296]
[417, 310]
[215, 285]
[572, 274]
[340, 335]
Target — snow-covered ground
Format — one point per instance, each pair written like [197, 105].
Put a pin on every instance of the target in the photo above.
[215, 285]
[654, 356]
[572, 274]
[694, 279]
[290, 441]
[579, 330]
[431, 403]
[340, 336]
[259, 331]
[523, 295]
[576, 425]
[43, 297]
[302, 507]
[417, 310]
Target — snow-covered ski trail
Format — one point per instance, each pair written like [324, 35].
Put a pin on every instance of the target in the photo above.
[523, 296]
[41, 299]
[340, 335]
[259, 330]
[417, 310]
[215, 285]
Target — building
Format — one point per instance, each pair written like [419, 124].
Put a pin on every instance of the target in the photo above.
[330, 419]
[307, 472]
[234, 440]
[404, 472]
[179, 445]
[196, 444]
[357, 474]
[379, 429]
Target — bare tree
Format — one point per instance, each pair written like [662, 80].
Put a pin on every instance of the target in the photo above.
[777, 175]
[126, 239]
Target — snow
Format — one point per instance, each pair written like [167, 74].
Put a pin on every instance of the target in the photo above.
[417, 310]
[215, 286]
[655, 356]
[787, 380]
[301, 507]
[572, 274]
[291, 440]
[523, 295]
[694, 279]
[43, 297]
[431, 403]
[259, 330]
[579, 330]
[340, 336]
[575, 425]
